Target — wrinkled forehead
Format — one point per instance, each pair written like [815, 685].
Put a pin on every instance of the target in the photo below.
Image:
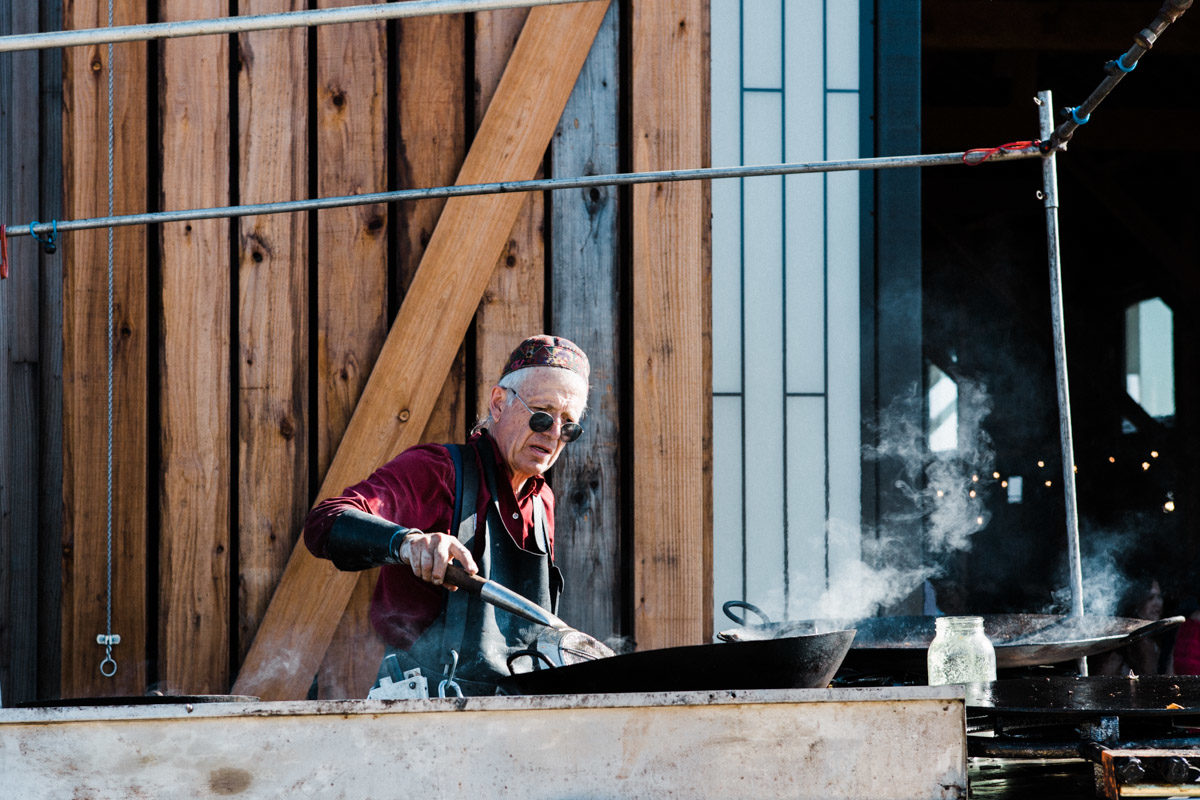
[554, 386]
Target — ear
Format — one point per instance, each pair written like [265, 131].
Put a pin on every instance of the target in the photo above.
[496, 402]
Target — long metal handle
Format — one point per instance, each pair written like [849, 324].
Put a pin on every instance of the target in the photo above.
[501, 597]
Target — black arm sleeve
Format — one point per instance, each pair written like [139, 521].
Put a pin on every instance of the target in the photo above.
[359, 540]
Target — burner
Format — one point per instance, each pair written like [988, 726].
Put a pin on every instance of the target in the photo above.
[1142, 734]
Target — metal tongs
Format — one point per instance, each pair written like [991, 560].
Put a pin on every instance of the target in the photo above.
[557, 646]
[502, 597]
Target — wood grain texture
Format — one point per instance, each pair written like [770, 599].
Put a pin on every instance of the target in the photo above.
[49, 499]
[431, 105]
[668, 306]
[585, 307]
[409, 373]
[20, 417]
[194, 365]
[272, 310]
[85, 283]
[352, 283]
[512, 306]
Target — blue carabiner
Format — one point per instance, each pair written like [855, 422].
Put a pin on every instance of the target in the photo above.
[50, 243]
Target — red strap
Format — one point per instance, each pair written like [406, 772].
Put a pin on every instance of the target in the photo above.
[3, 251]
[982, 154]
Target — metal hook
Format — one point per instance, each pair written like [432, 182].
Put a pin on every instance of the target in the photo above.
[449, 682]
[108, 667]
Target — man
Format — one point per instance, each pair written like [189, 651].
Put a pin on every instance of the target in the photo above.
[415, 515]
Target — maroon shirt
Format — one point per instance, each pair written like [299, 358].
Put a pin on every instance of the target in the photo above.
[416, 489]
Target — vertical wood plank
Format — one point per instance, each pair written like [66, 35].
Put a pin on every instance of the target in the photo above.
[430, 145]
[512, 307]
[194, 502]
[19, 400]
[585, 307]
[50, 366]
[667, 85]
[85, 283]
[352, 283]
[421, 345]
[272, 310]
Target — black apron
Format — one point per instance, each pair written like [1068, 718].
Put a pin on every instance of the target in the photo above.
[483, 636]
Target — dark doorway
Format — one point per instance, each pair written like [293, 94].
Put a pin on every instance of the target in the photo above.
[1131, 270]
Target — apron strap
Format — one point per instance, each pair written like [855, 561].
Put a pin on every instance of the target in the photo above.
[466, 493]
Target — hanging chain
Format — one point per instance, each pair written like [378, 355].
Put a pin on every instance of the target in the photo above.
[108, 667]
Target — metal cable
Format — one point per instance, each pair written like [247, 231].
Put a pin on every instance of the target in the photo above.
[541, 184]
[108, 667]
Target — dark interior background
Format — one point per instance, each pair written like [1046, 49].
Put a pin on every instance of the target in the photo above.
[1128, 216]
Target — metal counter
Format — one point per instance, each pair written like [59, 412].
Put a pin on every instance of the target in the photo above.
[886, 742]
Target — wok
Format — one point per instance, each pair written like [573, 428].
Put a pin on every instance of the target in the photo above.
[806, 661]
[1021, 640]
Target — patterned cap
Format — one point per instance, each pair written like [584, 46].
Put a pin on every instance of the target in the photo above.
[547, 351]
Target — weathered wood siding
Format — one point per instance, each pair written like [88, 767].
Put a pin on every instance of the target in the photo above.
[352, 279]
[30, 366]
[88, 558]
[243, 348]
[668, 277]
[585, 306]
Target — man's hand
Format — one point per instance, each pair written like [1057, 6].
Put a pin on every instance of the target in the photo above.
[429, 553]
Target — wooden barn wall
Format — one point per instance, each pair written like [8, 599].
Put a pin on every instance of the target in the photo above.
[241, 347]
[31, 367]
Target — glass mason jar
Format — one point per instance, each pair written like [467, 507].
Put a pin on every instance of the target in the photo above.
[960, 652]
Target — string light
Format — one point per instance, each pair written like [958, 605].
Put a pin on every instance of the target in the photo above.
[974, 479]
[1145, 465]
[996, 475]
[1004, 484]
[1169, 506]
[1154, 454]
[971, 493]
[1112, 460]
[1049, 484]
[1041, 463]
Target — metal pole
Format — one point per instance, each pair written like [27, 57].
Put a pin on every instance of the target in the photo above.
[542, 184]
[1171, 10]
[1050, 199]
[258, 22]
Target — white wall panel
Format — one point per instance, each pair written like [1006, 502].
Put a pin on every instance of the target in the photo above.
[844, 391]
[727, 286]
[726, 197]
[786, 262]
[727, 501]
[805, 501]
[803, 90]
[762, 45]
[805, 291]
[762, 357]
[726, 86]
[841, 37]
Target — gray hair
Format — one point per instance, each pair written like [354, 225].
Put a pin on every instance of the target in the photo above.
[515, 380]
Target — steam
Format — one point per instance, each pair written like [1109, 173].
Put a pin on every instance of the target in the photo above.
[945, 488]
[943, 493]
[1105, 581]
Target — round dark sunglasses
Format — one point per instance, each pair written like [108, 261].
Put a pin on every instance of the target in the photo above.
[540, 422]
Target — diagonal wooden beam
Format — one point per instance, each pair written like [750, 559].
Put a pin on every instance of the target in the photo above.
[404, 384]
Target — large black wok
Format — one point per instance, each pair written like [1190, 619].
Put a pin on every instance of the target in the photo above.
[1021, 640]
[794, 662]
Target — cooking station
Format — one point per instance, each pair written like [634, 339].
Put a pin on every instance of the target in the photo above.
[884, 742]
